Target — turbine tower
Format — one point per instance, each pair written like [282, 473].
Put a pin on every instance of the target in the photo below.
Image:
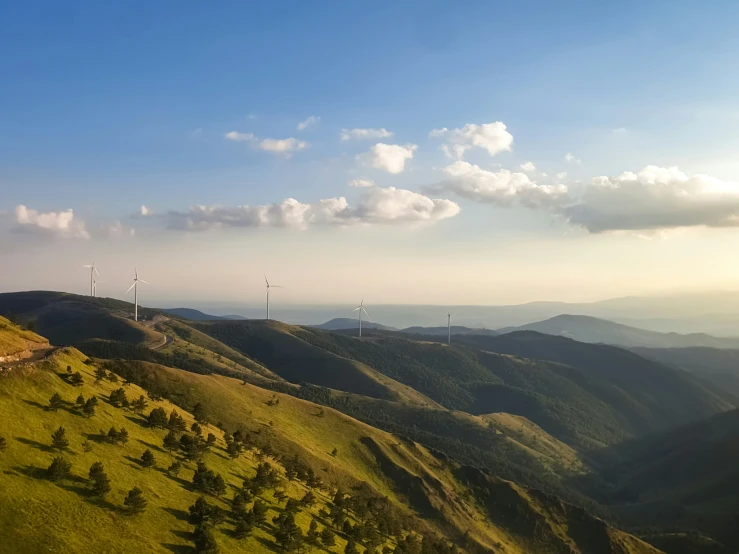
[449, 327]
[269, 287]
[135, 288]
[93, 271]
[360, 309]
[95, 287]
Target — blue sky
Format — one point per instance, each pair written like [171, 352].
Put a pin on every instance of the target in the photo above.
[106, 107]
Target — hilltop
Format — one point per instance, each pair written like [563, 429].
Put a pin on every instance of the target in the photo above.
[341, 323]
[426, 493]
[444, 331]
[591, 329]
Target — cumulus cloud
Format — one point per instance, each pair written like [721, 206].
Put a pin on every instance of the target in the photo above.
[144, 211]
[364, 134]
[114, 230]
[312, 120]
[571, 159]
[277, 146]
[376, 206]
[501, 187]
[655, 198]
[388, 157]
[492, 137]
[282, 146]
[528, 167]
[60, 224]
[362, 183]
[240, 137]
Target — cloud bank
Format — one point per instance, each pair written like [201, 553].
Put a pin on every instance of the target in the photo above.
[364, 134]
[58, 224]
[284, 147]
[491, 137]
[376, 206]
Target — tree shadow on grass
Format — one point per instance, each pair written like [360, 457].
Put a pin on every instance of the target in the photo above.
[30, 471]
[35, 444]
[44, 407]
[268, 543]
[179, 548]
[152, 446]
[141, 422]
[179, 480]
[181, 515]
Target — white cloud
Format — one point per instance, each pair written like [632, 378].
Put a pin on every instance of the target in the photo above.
[282, 146]
[114, 230]
[312, 120]
[501, 187]
[656, 198]
[492, 137]
[145, 211]
[196, 134]
[561, 176]
[376, 206]
[60, 224]
[388, 157]
[277, 146]
[619, 131]
[240, 137]
[362, 183]
[364, 134]
[528, 167]
[571, 159]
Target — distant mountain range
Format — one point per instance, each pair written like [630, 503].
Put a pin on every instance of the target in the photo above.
[591, 329]
[442, 331]
[197, 315]
[343, 323]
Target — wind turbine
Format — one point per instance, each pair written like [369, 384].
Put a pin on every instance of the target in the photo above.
[135, 288]
[360, 309]
[95, 287]
[269, 287]
[449, 327]
[93, 271]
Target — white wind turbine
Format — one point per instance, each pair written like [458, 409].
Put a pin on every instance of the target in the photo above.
[449, 327]
[135, 288]
[360, 309]
[269, 287]
[95, 287]
[93, 271]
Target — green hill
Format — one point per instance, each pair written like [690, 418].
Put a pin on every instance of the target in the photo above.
[393, 486]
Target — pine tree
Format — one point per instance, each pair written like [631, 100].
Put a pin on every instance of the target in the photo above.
[196, 429]
[139, 405]
[175, 468]
[312, 536]
[59, 469]
[200, 512]
[3, 444]
[219, 486]
[112, 435]
[59, 439]
[89, 408]
[205, 542]
[96, 470]
[309, 499]
[55, 402]
[176, 422]
[259, 512]
[211, 440]
[198, 413]
[158, 418]
[135, 501]
[244, 527]
[117, 397]
[288, 535]
[123, 436]
[147, 459]
[101, 485]
[351, 547]
[328, 538]
[80, 401]
[100, 374]
[69, 370]
[334, 452]
[77, 380]
[171, 442]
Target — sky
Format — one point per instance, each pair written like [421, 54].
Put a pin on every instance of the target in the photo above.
[409, 152]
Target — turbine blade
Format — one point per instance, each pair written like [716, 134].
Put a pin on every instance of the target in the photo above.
[142, 281]
[265, 280]
[365, 312]
[355, 309]
[95, 269]
[129, 288]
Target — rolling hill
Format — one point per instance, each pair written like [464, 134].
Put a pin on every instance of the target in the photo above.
[195, 315]
[396, 489]
[341, 323]
[443, 331]
[590, 329]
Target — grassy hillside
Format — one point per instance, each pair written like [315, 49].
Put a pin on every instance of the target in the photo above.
[17, 343]
[427, 494]
[592, 329]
